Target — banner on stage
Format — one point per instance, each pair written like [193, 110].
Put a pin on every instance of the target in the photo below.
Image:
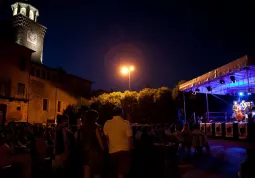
[202, 127]
[209, 129]
[229, 129]
[242, 130]
[218, 130]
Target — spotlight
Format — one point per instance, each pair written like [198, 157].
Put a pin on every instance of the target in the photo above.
[249, 93]
[209, 88]
[240, 93]
[222, 82]
[233, 79]
[197, 90]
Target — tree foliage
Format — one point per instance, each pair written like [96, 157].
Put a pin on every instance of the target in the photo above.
[149, 105]
[176, 90]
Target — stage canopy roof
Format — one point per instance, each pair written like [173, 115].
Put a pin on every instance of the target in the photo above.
[235, 77]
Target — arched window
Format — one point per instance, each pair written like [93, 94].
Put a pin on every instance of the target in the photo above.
[23, 11]
[15, 11]
[31, 15]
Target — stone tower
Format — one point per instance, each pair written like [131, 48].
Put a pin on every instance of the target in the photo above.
[27, 31]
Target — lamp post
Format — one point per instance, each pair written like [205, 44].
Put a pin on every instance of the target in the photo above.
[128, 70]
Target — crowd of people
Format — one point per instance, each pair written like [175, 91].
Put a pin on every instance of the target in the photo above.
[118, 149]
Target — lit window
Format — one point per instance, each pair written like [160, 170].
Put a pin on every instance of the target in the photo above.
[59, 106]
[31, 15]
[15, 11]
[45, 104]
[21, 89]
[23, 11]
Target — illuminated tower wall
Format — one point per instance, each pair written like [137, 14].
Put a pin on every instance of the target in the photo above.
[27, 32]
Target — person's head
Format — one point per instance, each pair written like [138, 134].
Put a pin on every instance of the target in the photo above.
[118, 111]
[185, 127]
[2, 141]
[250, 154]
[173, 128]
[90, 117]
[144, 129]
[40, 131]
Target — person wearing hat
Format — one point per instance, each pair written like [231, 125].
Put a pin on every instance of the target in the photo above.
[119, 135]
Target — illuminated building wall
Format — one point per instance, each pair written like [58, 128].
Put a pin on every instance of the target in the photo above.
[32, 92]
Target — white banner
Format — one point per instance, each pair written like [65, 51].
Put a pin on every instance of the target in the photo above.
[202, 127]
[218, 130]
[229, 129]
[209, 129]
[242, 130]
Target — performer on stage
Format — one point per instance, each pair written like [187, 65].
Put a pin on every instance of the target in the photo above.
[245, 109]
[235, 109]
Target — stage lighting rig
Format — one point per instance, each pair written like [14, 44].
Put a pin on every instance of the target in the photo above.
[197, 90]
[233, 79]
[209, 88]
[222, 82]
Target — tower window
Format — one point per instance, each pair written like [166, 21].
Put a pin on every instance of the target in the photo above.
[31, 15]
[21, 89]
[23, 11]
[45, 104]
[15, 11]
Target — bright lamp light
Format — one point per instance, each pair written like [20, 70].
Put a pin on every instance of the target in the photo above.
[124, 70]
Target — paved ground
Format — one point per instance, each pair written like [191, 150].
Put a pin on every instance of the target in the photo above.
[223, 163]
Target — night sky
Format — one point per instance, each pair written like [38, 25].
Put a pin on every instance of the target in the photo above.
[166, 41]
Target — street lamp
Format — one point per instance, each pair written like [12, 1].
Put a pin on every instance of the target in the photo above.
[128, 70]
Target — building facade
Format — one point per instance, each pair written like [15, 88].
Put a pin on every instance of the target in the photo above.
[30, 91]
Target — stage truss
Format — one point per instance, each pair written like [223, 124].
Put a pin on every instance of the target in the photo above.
[236, 77]
[243, 70]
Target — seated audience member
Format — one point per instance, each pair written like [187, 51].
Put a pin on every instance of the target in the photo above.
[7, 158]
[247, 166]
[5, 153]
[187, 138]
[138, 133]
[41, 145]
[200, 140]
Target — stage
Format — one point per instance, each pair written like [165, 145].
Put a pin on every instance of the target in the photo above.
[231, 130]
[237, 79]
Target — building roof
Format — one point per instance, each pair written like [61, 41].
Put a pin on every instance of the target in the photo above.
[60, 70]
[5, 44]
[243, 70]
